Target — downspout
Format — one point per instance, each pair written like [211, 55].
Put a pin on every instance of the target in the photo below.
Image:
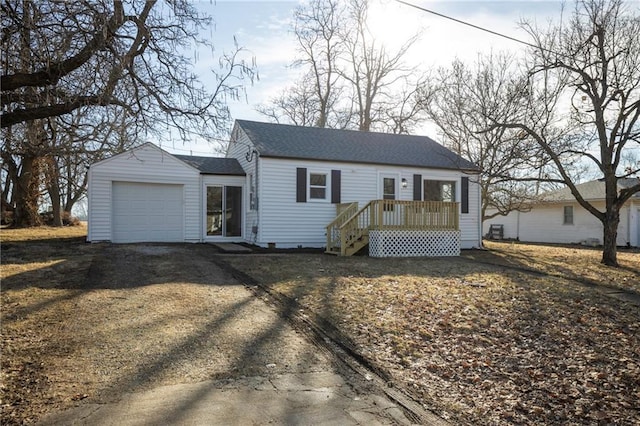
[628, 224]
[89, 205]
[257, 192]
[479, 214]
[249, 157]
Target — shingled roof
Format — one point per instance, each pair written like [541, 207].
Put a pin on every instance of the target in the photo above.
[213, 165]
[592, 190]
[315, 143]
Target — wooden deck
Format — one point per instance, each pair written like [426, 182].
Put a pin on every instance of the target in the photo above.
[349, 231]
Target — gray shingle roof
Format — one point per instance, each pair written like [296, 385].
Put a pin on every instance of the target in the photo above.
[592, 190]
[213, 165]
[314, 143]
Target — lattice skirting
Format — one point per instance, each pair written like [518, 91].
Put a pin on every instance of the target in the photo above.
[393, 243]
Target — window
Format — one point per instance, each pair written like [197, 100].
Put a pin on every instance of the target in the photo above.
[568, 215]
[438, 190]
[388, 189]
[388, 192]
[318, 186]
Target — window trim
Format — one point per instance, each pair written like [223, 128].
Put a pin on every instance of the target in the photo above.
[565, 216]
[327, 186]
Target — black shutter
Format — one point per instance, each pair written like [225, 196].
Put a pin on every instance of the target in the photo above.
[417, 187]
[464, 205]
[301, 185]
[335, 186]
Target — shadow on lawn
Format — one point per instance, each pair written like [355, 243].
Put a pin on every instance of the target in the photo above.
[554, 267]
[527, 335]
[87, 268]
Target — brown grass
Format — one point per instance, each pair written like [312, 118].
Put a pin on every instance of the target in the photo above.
[478, 339]
[85, 323]
[42, 233]
[480, 343]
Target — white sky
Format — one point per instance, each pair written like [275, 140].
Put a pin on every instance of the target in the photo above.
[264, 29]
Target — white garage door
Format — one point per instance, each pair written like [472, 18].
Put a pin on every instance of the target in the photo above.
[147, 212]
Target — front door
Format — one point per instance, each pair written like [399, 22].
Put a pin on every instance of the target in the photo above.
[224, 211]
[388, 189]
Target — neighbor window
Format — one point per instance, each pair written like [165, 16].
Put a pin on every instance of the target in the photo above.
[568, 215]
[439, 190]
[318, 186]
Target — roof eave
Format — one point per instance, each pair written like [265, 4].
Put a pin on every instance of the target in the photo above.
[283, 157]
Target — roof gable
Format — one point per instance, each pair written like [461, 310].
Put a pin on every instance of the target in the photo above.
[315, 143]
[145, 146]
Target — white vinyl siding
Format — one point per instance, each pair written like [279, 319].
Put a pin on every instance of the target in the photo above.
[545, 224]
[242, 149]
[145, 164]
[288, 224]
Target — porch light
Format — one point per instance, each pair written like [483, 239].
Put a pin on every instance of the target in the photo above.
[404, 183]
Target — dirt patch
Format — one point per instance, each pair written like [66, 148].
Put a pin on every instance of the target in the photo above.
[481, 343]
[83, 323]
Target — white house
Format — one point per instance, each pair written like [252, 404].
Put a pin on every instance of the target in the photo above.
[279, 185]
[558, 218]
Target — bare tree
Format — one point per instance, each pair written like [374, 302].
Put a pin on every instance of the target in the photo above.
[318, 29]
[298, 105]
[461, 101]
[59, 58]
[375, 75]
[582, 99]
[352, 80]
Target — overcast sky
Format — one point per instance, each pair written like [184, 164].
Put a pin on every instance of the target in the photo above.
[264, 29]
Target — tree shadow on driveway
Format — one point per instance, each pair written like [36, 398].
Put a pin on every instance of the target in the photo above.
[136, 317]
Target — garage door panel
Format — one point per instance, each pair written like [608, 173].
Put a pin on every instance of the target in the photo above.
[147, 212]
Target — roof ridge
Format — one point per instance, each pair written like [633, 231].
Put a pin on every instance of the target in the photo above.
[351, 146]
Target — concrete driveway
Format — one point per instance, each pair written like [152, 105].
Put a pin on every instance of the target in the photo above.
[238, 363]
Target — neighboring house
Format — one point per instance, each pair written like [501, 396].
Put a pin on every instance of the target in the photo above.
[558, 218]
[282, 185]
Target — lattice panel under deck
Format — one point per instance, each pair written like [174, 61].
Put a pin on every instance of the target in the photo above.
[393, 243]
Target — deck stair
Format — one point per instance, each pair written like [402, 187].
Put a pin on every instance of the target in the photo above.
[345, 212]
[350, 231]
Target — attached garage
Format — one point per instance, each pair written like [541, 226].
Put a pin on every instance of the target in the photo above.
[147, 212]
[144, 195]
[149, 195]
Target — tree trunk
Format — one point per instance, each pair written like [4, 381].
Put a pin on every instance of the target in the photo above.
[52, 180]
[610, 226]
[54, 195]
[27, 191]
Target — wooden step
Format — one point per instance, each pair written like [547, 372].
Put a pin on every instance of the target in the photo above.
[335, 251]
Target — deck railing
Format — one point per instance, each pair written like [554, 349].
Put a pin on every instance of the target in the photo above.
[391, 214]
[415, 215]
[344, 212]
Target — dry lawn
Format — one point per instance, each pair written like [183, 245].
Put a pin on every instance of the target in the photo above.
[518, 334]
[481, 339]
[85, 323]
